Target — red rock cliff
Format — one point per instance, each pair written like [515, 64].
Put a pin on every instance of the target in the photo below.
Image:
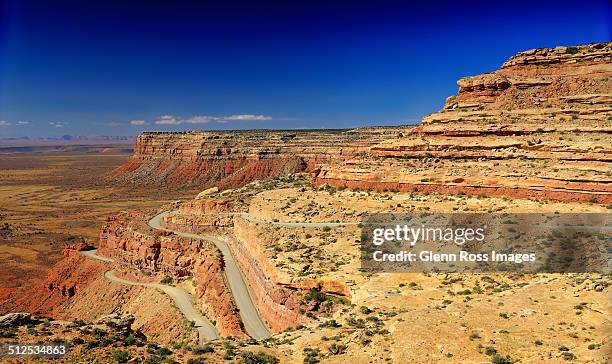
[539, 127]
[235, 158]
[129, 241]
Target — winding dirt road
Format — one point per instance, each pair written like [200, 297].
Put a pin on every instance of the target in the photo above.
[182, 300]
[253, 323]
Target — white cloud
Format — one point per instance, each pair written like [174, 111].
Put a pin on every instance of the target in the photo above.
[199, 119]
[204, 119]
[58, 124]
[5, 123]
[113, 124]
[23, 122]
[138, 122]
[167, 120]
[249, 117]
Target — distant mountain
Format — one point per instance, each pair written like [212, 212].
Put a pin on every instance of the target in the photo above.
[66, 140]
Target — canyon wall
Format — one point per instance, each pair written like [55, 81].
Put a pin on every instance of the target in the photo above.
[63, 281]
[539, 127]
[278, 304]
[230, 159]
[128, 240]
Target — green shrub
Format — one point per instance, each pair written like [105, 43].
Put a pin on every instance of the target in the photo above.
[572, 50]
[161, 351]
[121, 356]
[130, 340]
[196, 361]
[568, 356]
[260, 357]
[203, 349]
[489, 350]
[365, 310]
[336, 349]
[498, 359]
[77, 341]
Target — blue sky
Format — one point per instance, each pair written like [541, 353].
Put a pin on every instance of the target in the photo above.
[121, 67]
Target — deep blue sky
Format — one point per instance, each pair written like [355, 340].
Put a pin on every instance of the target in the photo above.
[90, 67]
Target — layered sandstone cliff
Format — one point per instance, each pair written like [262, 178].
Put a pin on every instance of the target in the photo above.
[538, 127]
[234, 158]
[129, 241]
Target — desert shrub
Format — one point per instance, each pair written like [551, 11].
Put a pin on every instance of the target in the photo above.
[358, 323]
[130, 340]
[572, 50]
[77, 341]
[203, 349]
[336, 349]
[7, 333]
[568, 355]
[365, 310]
[229, 351]
[260, 357]
[498, 359]
[161, 351]
[153, 360]
[98, 332]
[489, 350]
[315, 295]
[92, 344]
[196, 361]
[166, 280]
[121, 356]
[58, 340]
[311, 356]
[331, 323]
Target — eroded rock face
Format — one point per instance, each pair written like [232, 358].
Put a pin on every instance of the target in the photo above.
[538, 127]
[278, 305]
[75, 249]
[233, 159]
[128, 240]
[213, 296]
[63, 281]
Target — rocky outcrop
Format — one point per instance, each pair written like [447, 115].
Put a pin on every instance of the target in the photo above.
[75, 249]
[15, 319]
[537, 128]
[235, 158]
[118, 322]
[129, 241]
[63, 281]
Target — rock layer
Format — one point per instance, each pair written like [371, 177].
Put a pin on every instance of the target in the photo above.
[538, 127]
[128, 240]
[234, 158]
